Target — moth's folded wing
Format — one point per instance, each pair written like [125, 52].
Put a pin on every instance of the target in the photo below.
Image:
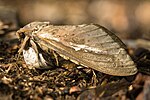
[92, 46]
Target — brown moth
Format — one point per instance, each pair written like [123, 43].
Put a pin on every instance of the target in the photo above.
[91, 46]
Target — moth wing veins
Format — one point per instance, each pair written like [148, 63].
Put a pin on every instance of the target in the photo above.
[89, 45]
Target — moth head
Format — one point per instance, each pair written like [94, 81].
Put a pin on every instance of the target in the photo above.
[27, 32]
[31, 29]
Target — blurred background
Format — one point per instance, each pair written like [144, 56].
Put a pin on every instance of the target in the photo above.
[129, 19]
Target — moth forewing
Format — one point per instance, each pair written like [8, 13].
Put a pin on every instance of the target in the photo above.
[91, 45]
[84, 44]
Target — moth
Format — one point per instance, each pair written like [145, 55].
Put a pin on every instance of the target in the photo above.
[91, 46]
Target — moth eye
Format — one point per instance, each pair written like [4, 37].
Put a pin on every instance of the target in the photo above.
[21, 35]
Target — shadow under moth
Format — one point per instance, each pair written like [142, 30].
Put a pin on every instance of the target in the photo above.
[91, 46]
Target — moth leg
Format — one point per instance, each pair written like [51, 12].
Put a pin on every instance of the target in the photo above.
[56, 58]
[94, 80]
[34, 46]
[43, 57]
